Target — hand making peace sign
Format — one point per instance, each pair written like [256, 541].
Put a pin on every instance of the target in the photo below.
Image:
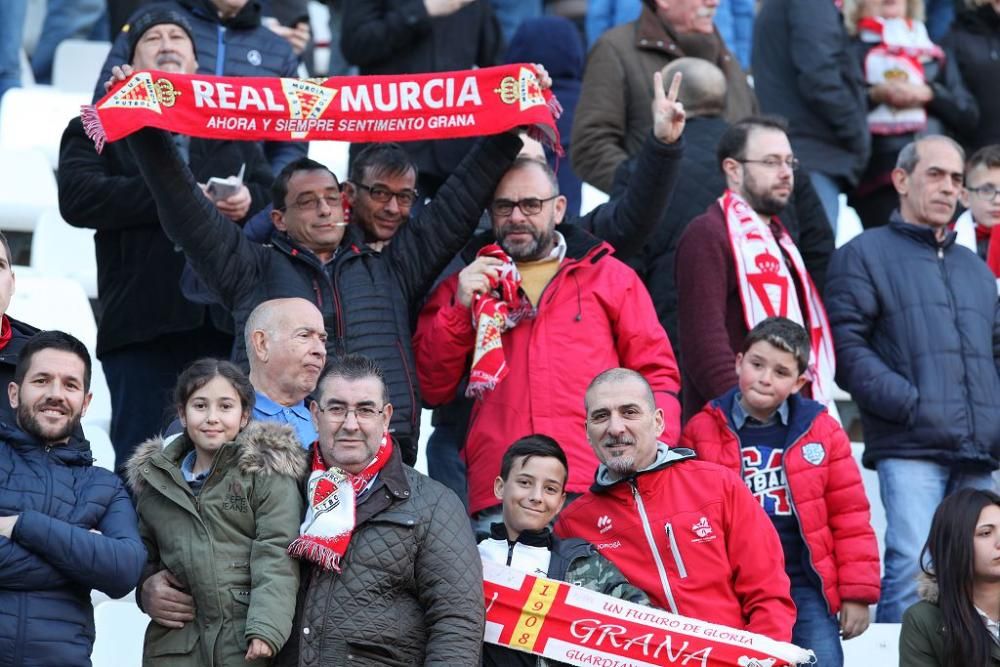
[668, 113]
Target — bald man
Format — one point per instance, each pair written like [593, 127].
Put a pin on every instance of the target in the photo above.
[286, 345]
[700, 182]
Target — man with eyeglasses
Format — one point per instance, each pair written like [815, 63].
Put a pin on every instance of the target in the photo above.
[381, 191]
[737, 264]
[393, 575]
[981, 197]
[368, 298]
[916, 323]
[581, 310]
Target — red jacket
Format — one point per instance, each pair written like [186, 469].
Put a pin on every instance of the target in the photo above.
[824, 487]
[714, 553]
[595, 314]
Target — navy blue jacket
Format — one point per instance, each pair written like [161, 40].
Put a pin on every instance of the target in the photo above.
[53, 560]
[917, 334]
[237, 46]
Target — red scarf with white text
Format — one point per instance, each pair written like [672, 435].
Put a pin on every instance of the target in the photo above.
[768, 290]
[405, 107]
[331, 513]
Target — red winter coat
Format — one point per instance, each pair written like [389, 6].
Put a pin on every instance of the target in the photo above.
[825, 491]
[718, 553]
[595, 314]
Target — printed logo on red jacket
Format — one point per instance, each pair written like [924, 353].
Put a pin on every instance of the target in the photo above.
[703, 529]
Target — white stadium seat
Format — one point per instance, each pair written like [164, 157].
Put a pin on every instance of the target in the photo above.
[333, 154]
[60, 303]
[591, 198]
[100, 446]
[120, 628]
[869, 478]
[36, 117]
[77, 65]
[59, 250]
[877, 647]
[27, 185]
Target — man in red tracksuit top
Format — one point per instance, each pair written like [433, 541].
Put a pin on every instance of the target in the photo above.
[687, 532]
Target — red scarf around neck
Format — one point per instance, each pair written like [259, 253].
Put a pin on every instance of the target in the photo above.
[6, 332]
[332, 511]
[405, 107]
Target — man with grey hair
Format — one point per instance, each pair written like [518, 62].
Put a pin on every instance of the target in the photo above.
[917, 334]
[286, 346]
[655, 505]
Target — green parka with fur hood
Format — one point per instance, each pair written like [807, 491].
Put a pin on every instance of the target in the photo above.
[227, 545]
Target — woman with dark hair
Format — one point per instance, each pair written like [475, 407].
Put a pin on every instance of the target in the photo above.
[957, 624]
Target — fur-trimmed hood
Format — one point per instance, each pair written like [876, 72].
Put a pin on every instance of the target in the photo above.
[927, 588]
[264, 447]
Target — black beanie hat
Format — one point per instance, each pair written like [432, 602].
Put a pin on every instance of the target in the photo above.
[153, 15]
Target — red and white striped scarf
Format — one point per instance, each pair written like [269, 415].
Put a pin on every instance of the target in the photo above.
[331, 513]
[900, 53]
[768, 290]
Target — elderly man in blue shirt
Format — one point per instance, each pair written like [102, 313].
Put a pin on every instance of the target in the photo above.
[286, 345]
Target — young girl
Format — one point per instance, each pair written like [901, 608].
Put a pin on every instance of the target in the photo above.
[956, 624]
[217, 508]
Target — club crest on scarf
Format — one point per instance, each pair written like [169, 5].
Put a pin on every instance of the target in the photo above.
[332, 511]
[767, 289]
[493, 313]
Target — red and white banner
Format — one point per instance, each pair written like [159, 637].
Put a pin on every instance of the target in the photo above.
[440, 105]
[581, 627]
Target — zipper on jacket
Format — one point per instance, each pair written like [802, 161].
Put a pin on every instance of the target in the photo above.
[961, 356]
[681, 570]
[660, 569]
[410, 384]
[22, 614]
[220, 56]
[338, 313]
[510, 552]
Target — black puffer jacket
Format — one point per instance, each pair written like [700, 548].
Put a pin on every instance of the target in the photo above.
[238, 46]
[916, 324]
[699, 183]
[368, 298]
[411, 587]
[138, 267]
[805, 71]
[20, 333]
[974, 39]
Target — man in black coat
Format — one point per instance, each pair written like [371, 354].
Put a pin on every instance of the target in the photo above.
[148, 331]
[804, 70]
[229, 40]
[368, 298]
[700, 182]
